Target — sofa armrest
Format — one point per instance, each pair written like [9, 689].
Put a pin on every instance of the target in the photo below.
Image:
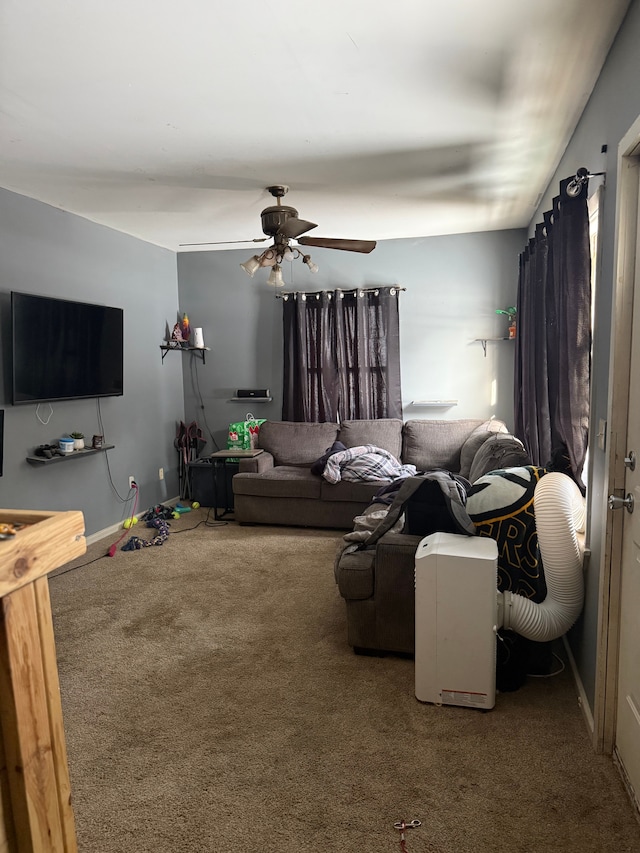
[256, 464]
[361, 574]
[404, 543]
[395, 557]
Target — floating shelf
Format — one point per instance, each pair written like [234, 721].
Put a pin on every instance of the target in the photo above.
[198, 350]
[76, 454]
[251, 399]
[483, 341]
[435, 404]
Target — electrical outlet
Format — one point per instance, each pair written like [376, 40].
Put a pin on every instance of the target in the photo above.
[132, 480]
[161, 473]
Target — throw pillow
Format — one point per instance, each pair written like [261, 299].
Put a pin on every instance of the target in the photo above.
[318, 466]
[475, 442]
[502, 450]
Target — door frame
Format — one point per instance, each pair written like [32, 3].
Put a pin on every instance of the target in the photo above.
[625, 249]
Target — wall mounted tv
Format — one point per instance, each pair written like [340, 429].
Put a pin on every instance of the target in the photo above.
[65, 350]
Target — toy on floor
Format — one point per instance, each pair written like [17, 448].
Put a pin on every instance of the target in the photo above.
[157, 511]
[180, 508]
[135, 543]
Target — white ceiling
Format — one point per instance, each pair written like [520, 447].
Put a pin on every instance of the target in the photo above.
[167, 120]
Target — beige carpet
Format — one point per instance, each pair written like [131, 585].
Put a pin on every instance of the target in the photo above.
[211, 704]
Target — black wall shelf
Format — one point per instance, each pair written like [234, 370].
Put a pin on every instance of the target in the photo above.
[251, 399]
[483, 341]
[76, 454]
[200, 351]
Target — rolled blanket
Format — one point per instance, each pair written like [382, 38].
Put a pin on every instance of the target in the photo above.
[365, 462]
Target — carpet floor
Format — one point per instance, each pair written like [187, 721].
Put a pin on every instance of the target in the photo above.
[211, 703]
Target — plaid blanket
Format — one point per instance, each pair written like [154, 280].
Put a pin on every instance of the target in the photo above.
[365, 462]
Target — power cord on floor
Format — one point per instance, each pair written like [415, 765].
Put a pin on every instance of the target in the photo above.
[55, 575]
[206, 521]
[550, 674]
[108, 553]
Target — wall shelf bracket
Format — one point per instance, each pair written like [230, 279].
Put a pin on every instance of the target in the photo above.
[483, 341]
[199, 351]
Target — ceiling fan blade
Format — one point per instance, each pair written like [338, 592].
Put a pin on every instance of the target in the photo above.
[293, 227]
[364, 246]
[226, 242]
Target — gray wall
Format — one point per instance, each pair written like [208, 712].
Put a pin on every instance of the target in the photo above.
[613, 107]
[453, 286]
[48, 252]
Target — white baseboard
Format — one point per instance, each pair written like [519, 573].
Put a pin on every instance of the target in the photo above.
[583, 702]
[116, 528]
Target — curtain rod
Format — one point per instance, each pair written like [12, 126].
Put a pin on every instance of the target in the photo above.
[391, 287]
[581, 177]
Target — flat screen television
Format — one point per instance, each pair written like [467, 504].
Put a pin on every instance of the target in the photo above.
[64, 350]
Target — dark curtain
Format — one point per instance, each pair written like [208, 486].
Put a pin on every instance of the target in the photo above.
[553, 344]
[341, 355]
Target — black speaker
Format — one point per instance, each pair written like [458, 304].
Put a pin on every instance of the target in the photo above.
[252, 392]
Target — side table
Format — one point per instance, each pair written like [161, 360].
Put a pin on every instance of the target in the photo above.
[224, 457]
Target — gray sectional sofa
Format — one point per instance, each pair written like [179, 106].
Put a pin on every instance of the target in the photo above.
[278, 487]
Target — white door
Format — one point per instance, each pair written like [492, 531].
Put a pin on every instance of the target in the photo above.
[627, 738]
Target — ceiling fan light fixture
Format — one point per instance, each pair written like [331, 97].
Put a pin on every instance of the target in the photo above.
[306, 259]
[251, 266]
[275, 278]
[268, 258]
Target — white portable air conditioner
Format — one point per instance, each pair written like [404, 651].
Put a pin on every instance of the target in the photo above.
[456, 620]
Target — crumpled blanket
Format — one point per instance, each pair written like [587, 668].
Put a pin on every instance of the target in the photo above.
[363, 528]
[365, 524]
[365, 462]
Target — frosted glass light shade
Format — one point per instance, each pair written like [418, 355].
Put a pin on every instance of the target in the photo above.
[251, 265]
[275, 279]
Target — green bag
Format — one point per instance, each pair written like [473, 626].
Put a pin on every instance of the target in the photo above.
[243, 435]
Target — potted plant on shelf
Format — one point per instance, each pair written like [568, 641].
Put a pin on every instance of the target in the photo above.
[78, 440]
[511, 313]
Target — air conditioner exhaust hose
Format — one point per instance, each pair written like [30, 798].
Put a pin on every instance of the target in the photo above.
[560, 516]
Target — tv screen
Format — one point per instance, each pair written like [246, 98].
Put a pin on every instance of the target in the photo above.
[65, 350]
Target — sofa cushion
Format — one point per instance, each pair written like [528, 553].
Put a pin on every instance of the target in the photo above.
[475, 441]
[293, 443]
[435, 444]
[502, 450]
[381, 432]
[282, 482]
[357, 492]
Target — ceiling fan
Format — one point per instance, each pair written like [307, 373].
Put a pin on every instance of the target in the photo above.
[282, 223]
